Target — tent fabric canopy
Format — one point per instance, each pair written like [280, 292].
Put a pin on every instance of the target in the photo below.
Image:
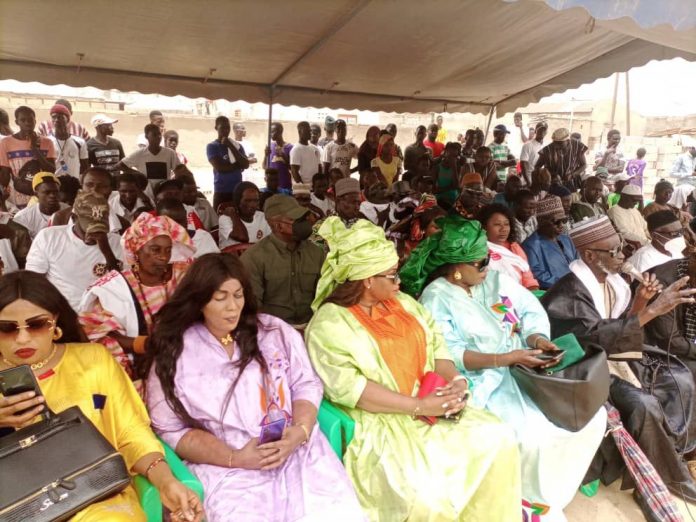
[381, 55]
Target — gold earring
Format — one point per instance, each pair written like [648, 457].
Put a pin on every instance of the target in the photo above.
[57, 333]
[457, 276]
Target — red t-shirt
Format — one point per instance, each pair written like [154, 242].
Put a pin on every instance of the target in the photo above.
[435, 146]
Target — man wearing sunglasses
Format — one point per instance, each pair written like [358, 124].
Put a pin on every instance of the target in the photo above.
[656, 403]
[549, 250]
[667, 241]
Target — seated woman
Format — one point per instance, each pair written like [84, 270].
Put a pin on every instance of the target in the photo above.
[118, 310]
[372, 345]
[506, 253]
[40, 328]
[221, 372]
[491, 323]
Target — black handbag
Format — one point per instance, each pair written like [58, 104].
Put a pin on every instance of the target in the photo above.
[570, 397]
[56, 467]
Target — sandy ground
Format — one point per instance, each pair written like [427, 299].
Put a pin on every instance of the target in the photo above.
[613, 505]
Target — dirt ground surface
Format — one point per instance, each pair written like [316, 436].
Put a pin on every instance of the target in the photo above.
[613, 505]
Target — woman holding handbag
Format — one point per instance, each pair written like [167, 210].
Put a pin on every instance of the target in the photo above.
[373, 346]
[39, 328]
[490, 323]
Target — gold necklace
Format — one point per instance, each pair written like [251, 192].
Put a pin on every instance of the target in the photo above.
[38, 365]
[228, 339]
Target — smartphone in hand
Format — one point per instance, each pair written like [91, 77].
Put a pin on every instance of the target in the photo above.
[272, 431]
[19, 379]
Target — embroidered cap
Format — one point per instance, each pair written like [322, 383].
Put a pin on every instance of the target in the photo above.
[550, 206]
[589, 231]
[92, 212]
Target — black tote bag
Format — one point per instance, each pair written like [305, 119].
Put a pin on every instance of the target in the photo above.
[56, 467]
[570, 397]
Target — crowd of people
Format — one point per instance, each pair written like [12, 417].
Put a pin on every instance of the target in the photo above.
[354, 275]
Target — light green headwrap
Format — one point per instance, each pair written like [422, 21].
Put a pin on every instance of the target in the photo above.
[355, 253]
[460, 240]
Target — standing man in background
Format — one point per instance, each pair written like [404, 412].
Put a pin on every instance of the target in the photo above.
[502, 156]
[240, 133]
[71, 151]
[103, 150]
[75, 129]
[612, 159]
[530, 152]
[228, 159]
[305, 159]
[329, 128]
[156, 118]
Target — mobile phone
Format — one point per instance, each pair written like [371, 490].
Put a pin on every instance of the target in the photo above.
[272, 431]
[550, 356]
[19, 379]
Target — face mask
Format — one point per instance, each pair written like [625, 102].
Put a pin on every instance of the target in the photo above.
[301, 230]
[676, 246]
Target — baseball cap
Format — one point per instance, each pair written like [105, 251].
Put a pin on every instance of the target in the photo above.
[102, 119]
[541, 124]
[92, 212]
[501, 128]
[283, 205]
[41, 177]
[329, 121]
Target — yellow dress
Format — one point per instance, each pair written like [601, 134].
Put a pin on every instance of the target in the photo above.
[403, 469]
[89, 377]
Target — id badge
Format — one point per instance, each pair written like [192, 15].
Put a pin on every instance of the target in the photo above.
[63, 166]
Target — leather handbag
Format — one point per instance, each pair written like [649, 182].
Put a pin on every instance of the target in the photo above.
[570, 397]
[54, 468]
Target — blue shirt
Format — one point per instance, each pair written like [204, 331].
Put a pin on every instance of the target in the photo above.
[549, 260]
[223, 181]
[500, 198]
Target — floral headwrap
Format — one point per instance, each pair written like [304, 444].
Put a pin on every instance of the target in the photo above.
[147, 227]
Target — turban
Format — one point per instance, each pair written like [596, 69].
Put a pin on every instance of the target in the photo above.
[589, 231]
[355, 254]
[458, 241]
[147, 227]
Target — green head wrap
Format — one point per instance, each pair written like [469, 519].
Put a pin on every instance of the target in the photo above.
[458, 241]
[355, 254]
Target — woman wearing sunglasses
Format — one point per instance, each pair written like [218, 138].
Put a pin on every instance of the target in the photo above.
[39, 328]
[490, 323]
[372, 345]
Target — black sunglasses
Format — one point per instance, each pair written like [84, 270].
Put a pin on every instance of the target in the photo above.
[560, 222]
[480, 265]
[612, 253]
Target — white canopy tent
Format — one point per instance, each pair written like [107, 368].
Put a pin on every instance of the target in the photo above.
[382, 55]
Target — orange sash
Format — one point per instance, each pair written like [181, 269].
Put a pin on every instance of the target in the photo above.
[401, 341]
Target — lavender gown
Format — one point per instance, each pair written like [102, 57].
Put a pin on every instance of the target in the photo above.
[311, 485]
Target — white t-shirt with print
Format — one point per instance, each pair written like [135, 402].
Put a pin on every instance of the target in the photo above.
[68, 262]
[157, 167]
[308, 158]
[33, 219]
[340, 156]
[68, 155]
[257, 229]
